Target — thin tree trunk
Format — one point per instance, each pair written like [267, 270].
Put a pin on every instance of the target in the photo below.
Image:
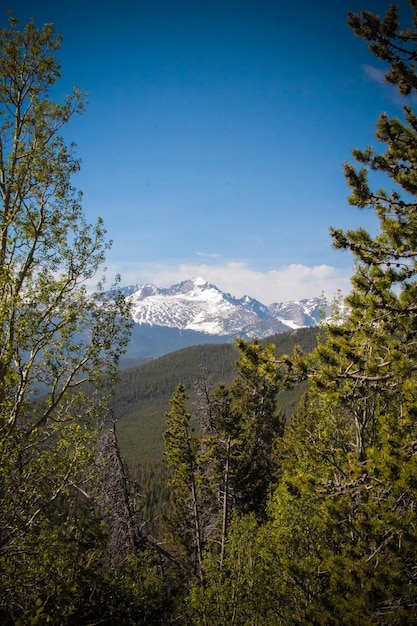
[225, 504]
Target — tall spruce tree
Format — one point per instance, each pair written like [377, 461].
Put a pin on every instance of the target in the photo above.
[257, 425]
[181, 451]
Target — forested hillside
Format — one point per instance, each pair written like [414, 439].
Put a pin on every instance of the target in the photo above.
[141, 398]
[141, 402]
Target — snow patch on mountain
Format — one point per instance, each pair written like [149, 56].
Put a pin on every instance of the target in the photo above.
[301, 313]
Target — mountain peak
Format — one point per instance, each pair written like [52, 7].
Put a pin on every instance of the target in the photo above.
[191, 286]
[199, 281]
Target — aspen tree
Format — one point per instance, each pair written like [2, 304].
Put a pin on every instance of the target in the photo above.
[60, 343]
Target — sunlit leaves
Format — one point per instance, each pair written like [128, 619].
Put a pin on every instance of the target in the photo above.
[60, 343]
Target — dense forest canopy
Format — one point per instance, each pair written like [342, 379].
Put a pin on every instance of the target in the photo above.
[267, 519]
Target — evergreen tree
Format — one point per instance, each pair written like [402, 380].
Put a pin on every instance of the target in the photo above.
[256, 424]
[181, 456]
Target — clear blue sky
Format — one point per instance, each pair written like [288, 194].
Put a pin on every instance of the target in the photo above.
[215, 136]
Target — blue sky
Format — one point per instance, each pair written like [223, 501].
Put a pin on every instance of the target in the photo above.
[215, 136]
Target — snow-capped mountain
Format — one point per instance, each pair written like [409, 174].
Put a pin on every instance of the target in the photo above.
[301, 313]
[194, 312]
[198, 306]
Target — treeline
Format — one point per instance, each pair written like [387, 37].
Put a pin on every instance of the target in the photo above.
[158, 378]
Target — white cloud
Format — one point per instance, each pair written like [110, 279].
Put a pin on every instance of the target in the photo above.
[208, 255]
[291, 282]
[375, 74]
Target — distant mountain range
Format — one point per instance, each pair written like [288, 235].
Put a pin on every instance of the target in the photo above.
[196, 312]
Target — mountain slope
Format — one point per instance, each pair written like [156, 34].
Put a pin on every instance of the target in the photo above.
[141, 397]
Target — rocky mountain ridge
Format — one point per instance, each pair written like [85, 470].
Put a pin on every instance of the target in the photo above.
[198, 306]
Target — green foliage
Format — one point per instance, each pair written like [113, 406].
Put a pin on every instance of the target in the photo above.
[272, 517]
[342, 515]
[181, 454]
[141, 395]
[254, 392]
[59, 352]
[53, 568]
[55, 335]
[221, 471]
[137, 593]
[231, 597]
